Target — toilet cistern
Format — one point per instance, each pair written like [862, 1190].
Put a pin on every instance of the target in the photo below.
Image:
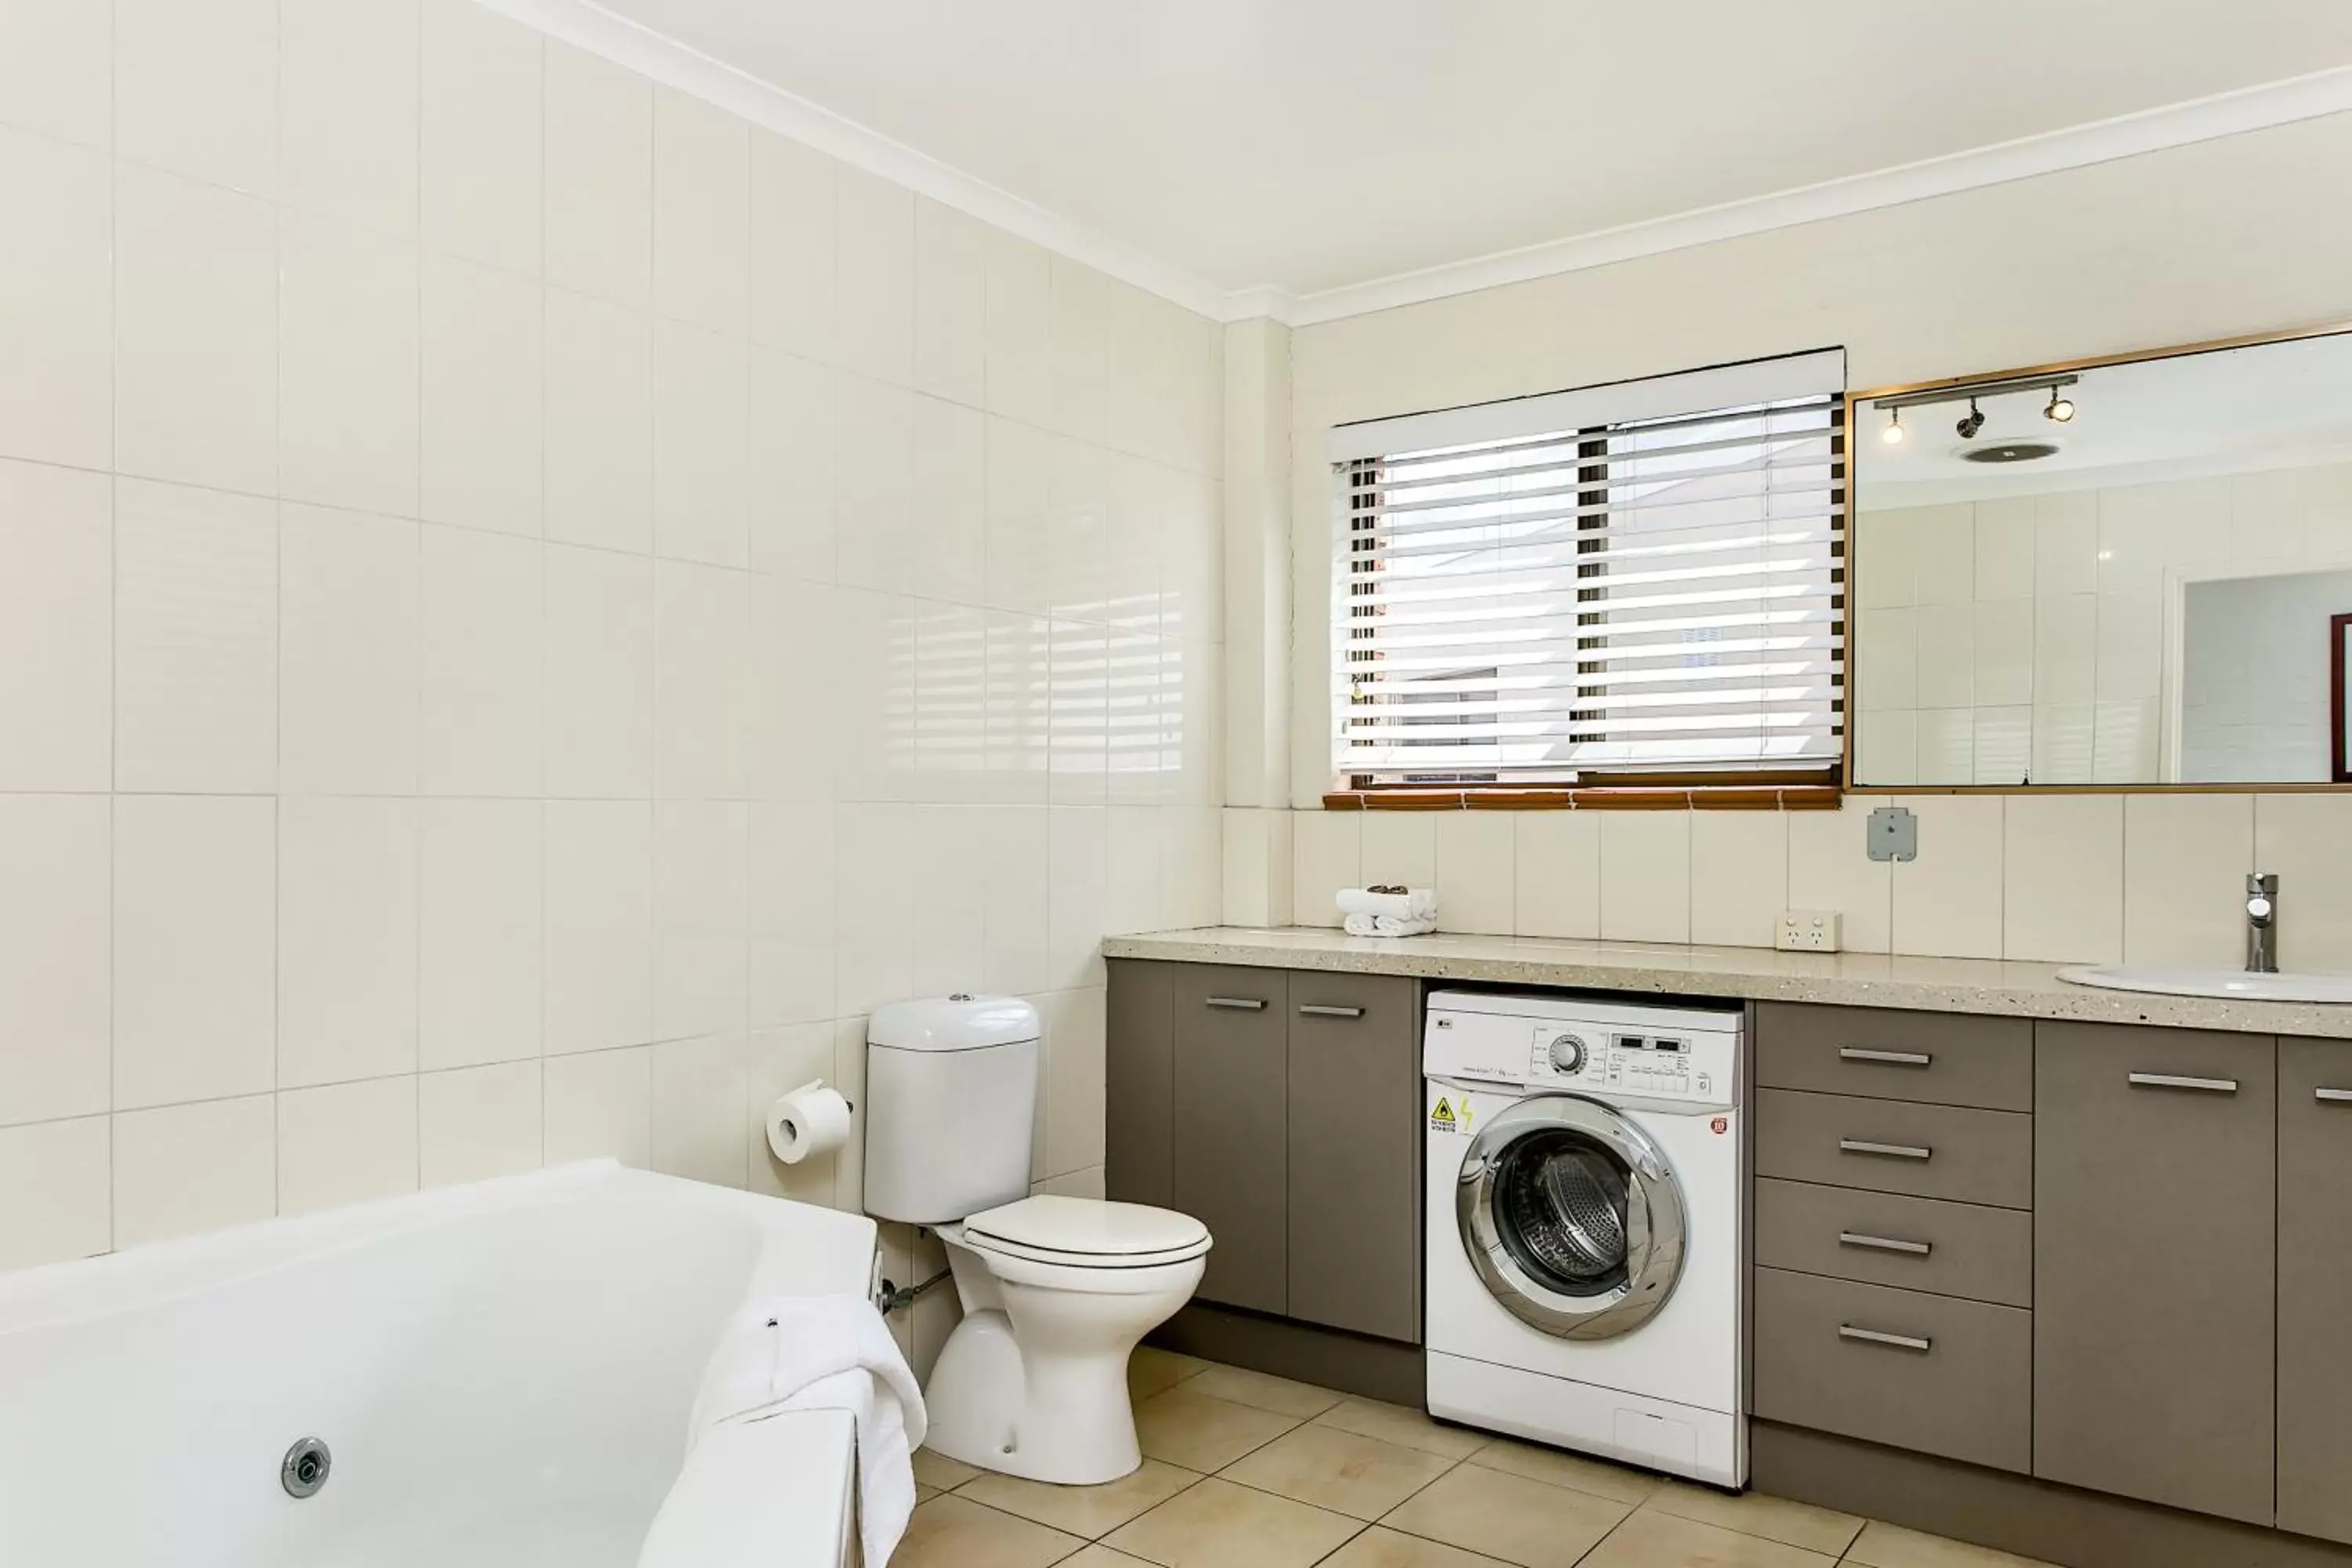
[2261, 923]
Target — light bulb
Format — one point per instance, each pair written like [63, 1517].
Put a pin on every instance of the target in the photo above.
[1892, 434]
[2061, 409]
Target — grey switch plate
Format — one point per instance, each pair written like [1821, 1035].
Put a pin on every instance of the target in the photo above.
[1894, 833]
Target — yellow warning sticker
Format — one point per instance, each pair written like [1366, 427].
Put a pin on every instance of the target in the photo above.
[1442, 1118]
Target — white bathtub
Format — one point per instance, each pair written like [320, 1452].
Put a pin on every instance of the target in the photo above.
[502, 1373]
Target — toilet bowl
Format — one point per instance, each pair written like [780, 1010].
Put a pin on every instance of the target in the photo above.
[1056, 1291]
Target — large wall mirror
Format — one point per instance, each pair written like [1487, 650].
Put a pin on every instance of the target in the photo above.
[2125, 573]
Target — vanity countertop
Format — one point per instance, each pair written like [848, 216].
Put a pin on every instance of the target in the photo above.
[1840, 979]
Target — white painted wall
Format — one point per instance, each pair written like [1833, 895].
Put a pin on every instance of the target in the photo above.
[521, 620]
[2192, 243]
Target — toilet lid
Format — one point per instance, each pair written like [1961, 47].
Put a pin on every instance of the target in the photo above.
[1089, 1232]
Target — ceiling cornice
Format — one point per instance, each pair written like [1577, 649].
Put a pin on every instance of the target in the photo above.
[588, 26]
[2101, 142]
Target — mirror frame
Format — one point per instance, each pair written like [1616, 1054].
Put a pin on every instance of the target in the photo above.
[1857, 398]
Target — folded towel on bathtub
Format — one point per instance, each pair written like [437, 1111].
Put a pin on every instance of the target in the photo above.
[825, 1353]
[1389, 925]
[1415, 904]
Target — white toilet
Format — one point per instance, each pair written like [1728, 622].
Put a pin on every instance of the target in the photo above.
[1055, 1290]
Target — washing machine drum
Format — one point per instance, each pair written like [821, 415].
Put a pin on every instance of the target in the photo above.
[1560, 1206]
[1572, 1217]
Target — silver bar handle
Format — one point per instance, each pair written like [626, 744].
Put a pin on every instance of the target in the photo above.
[2332, 1096]
[1240, 1003]
[1876, 1336]
[1885, 1058]
[1319, 1010]
[2180, 1080]
[1890, 1151]
[1885, 1243]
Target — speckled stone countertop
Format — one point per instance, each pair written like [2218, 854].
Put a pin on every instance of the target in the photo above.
[1839, 979]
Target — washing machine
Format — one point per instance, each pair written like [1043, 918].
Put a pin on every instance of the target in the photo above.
[1584, 1282]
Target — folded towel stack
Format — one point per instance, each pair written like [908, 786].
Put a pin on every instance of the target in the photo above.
[1387, 911]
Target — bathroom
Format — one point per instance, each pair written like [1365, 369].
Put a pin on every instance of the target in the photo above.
[556, 557]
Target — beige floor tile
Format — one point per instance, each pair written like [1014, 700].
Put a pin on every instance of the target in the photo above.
[1220, 1525]
[1263, 1392]
[1195, 1432]
[1101, 1556]
[925, 1494]
[1892, 1546]
[1527, 1523]
[1662, 1541]
[950, 1532]
[1598, 1476]
[1344, 1471]
[1379, 1548]
[940, 1473]
[1090, 1511]
[1151, 1371]
[1755, 1514]
[1400, 1424]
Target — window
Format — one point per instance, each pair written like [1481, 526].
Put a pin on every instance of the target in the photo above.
[1627, 583]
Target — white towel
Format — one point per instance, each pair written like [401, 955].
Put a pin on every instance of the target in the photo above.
[825, 1353]
[1389, 925]
[1417, 904]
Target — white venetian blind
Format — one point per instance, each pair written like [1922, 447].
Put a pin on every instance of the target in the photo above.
[1643, 578]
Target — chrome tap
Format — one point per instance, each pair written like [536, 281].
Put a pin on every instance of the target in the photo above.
[2261, 923]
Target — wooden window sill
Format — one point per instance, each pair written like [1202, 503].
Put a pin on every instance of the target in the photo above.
[1719, 797]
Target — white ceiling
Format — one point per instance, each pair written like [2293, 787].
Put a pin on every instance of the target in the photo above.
[1307, 145]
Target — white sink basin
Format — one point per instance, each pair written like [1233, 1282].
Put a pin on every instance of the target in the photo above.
[2231, 983]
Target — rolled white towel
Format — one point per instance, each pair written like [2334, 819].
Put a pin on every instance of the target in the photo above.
[1387, 925]
[1415, 904]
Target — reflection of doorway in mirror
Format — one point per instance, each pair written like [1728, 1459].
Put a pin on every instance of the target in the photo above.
[2247, 689]
[2339, 633]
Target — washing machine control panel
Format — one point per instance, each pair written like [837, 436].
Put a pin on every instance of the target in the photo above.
[1654, 1065]
[1685, 1057]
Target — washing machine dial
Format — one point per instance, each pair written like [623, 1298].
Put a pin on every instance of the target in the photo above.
[1567, 1054]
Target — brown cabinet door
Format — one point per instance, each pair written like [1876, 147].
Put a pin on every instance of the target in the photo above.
[1355, 1146]
[1899, 1367]
[2314, 1276]
[2155, 1257]
[1139, 1088]
[1229, 1127]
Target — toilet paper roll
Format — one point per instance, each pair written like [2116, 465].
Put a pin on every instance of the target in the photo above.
[811, 1120]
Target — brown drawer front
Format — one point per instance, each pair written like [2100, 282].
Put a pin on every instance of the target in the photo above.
[1884, 1238]
[1924, 1373]
[1889, 1146]
[1936, 1059]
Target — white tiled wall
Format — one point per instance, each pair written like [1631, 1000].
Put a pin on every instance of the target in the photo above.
[528, 604]
[2002, 640]
[2147, 879]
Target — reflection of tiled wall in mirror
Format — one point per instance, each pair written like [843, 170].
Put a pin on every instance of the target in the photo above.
[2003, 641]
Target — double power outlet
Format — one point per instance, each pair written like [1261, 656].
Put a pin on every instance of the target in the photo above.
[1808, 930]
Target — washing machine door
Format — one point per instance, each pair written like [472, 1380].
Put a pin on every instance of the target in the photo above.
[1572, 1217]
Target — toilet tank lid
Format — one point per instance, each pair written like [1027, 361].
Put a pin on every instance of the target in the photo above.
[957, 1023]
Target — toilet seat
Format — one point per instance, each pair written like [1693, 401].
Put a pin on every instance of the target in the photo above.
[1086, 1233]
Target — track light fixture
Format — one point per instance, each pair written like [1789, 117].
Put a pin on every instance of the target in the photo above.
[2059, 409]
